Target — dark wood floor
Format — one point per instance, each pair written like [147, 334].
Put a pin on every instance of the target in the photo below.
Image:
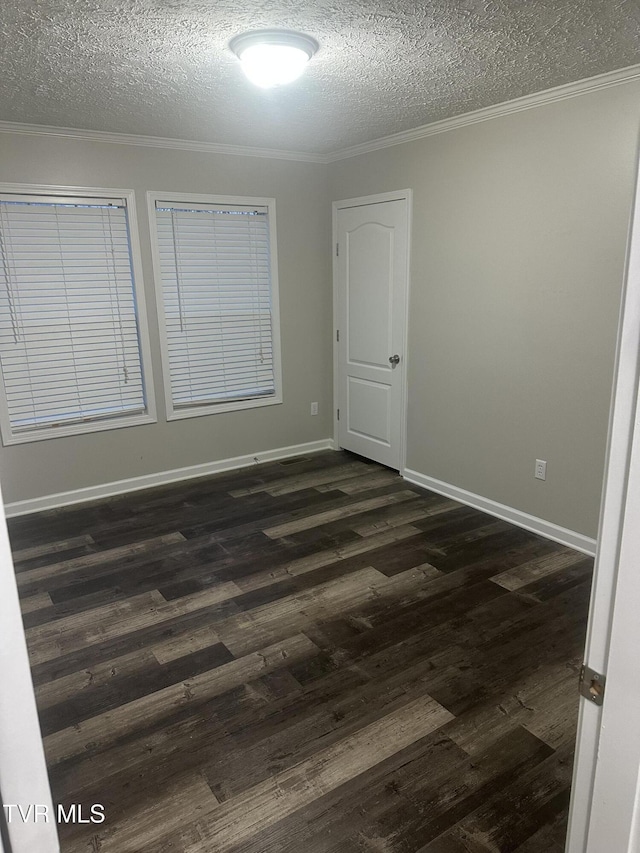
[309, 655]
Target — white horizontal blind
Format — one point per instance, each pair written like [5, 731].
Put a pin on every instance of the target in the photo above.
[69, 343]
[216, 286]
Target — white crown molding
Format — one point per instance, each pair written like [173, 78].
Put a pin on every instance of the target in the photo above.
[577, 541]
[158, 142]
[527, 102]
[147, 481]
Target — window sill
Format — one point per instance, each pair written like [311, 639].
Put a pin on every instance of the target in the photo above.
[76, 429]
[217, 408]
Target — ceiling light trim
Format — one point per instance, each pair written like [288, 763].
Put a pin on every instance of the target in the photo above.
[159, 142]
[288, 38]
[527, 102]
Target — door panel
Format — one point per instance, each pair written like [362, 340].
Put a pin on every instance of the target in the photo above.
[369, 410]
[371, 293]
[369, 251]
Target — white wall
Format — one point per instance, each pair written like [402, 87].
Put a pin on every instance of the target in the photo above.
[303, 224]
[519, 234]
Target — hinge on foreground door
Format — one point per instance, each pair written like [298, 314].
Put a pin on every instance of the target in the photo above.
[592, 684]
[337, 250]
[338, 414]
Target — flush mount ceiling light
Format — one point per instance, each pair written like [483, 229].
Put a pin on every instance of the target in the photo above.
[273, 57]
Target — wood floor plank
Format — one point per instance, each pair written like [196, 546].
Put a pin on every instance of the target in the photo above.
[307, 720]
[158, 632]
[552, 585]
[403, 516]
[110, 518]
[455, 840]
[97, 732]
[532, 704]
[184, 644]
[346, 818]
[363, 483]
[516, 578]
[548, 783]
[293, 613]
[113, 620]
[295, 482]
[37, 601]
[327, 557]
[124, 688]
[384, 670]
[462, 687]
[145, 572]
[359, 473]
[62, 689]
[321, 518]
[144, 825]
[549, 838]
[556, 723]
[40, 574]
[22, 555]
[247, 631]
[228, 526]
[427, 805]
[291, 790]
[151, 756]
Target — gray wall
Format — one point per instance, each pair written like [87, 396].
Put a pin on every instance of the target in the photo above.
[303, 224]
[519, 234]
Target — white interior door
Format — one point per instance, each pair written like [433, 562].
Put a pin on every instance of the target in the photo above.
[371, 277]
[605, 803]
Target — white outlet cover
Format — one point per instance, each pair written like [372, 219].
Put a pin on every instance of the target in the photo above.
[541, 469]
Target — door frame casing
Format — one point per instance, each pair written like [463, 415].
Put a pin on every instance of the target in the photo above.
[590, 817]
[405, 195]
[24, 779]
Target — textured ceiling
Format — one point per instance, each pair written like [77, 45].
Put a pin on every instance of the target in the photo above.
[163, 68]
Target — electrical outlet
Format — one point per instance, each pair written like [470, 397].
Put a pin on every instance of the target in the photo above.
[314, 408]
[541, 469]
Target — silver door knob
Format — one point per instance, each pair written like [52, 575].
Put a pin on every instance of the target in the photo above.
[394, 359]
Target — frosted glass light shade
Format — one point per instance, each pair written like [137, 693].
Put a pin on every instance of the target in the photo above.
[269, 65]
[272, 57]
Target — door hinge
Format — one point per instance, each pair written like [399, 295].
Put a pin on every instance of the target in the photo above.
[338, 335]
[592, 684]
[337, 250]
[338, 414]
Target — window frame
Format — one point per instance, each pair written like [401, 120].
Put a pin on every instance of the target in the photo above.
[53, 192]
[195, 411]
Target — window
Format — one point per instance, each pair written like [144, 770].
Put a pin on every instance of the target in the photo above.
[71, 322]
[218, 299]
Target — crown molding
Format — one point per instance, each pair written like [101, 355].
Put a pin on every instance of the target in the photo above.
[527, 102]
[158, 142]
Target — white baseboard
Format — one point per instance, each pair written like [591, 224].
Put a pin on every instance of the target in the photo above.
[521, 519]
[134, 484]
